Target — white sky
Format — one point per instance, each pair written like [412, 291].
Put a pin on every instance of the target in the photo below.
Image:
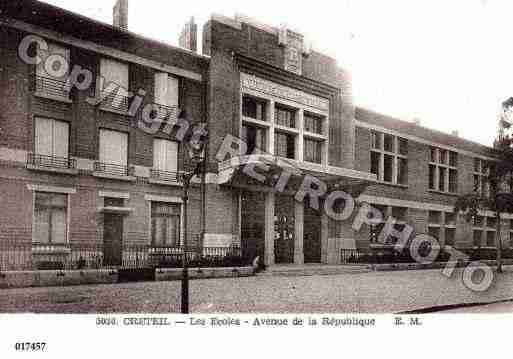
[445, 62]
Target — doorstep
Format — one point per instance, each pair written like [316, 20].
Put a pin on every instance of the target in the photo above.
[313, 269]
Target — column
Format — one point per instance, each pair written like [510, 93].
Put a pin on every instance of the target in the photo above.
[299, 257]
[300, 137]
[269, 229]
[326, 258]
[270, 120]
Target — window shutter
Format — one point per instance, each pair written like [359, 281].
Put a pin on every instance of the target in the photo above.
[59, 226]
[44, 137]
[172, 91]
[113, 147]
[114, 71]
[171, 156]
[165, 155]
[161, 83]
[60, 139]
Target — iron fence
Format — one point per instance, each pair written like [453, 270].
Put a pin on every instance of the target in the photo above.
[52, 87]
[16, 256]
[388, 255]
[45, 161]
[113, 169]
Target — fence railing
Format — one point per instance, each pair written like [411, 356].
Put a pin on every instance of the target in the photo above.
[53, 87]
[45, 161]
[77, 255]
[386, 255]
[113, 169]
[165, 176]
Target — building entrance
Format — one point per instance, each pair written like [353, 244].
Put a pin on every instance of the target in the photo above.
[284, 230]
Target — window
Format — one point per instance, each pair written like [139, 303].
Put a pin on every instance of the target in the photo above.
[313, 151]
[490, 239]
[478, 235]
[165, 224]
[51, 138]
[113, 147]
[50, 218]
[254, 137]
[481, 185]
[434, 217]
[313, 123]
[376, 229]
[253, 108]
[443, 171]
[52, 82]
[389, 161]
[285, 117]
[166, 89]
[112, 71]
[285, 145]
[165, 155]
[450, 234]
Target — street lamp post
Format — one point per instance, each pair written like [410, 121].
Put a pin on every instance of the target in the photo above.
[196, 150]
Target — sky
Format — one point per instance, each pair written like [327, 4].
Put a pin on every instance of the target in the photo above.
[446, 63]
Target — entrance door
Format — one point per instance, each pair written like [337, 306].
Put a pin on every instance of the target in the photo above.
[252, 225]
[284, 230]
[112, 239]
[312, 235]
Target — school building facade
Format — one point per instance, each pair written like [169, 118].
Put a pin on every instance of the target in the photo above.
[86, 177]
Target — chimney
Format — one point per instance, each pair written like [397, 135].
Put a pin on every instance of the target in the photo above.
[455, 133]
[189, 35]
[120, 14]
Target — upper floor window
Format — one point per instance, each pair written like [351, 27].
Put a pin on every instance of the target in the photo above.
[253, 108]
[481, 171]
[51, 138]
[113, 147]
[114, 84]
[52, 71]
[284, 116]
[50, 218]
[443, 171]
[166, 89]
[285, 145]
[165, 155]
[254, 137]
[313, 150]
[389, 161]
[313, 123]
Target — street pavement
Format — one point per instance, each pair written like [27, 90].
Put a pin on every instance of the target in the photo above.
[373, 292]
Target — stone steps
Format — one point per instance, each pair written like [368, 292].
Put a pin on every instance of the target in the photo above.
[310, 270]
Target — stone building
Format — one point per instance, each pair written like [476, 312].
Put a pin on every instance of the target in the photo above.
[86, 175]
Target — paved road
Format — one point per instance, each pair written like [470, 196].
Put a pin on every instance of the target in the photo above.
[375, 292]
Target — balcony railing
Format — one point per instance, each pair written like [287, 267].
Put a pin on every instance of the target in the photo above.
[165, 176]
[52, 87]
[116, 101]
[113, 169]
[51, 162]
[166, 113]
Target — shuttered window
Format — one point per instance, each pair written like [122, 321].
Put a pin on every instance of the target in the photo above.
[165, 155]
[166, 89]
[113, 147]
[50, 218]
[53, 49]
[51, 138]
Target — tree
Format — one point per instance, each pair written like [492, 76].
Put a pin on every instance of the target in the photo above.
[499, 200]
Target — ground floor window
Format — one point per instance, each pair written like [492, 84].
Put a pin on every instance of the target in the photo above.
[165, 224]
[50, 218]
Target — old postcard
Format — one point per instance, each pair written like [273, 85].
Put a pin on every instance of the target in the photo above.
[237, 173]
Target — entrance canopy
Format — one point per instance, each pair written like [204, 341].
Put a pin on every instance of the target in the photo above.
[268, 170]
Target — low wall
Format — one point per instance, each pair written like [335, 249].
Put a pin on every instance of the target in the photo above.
[23, 279]
[436, 265]
[168, 274]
